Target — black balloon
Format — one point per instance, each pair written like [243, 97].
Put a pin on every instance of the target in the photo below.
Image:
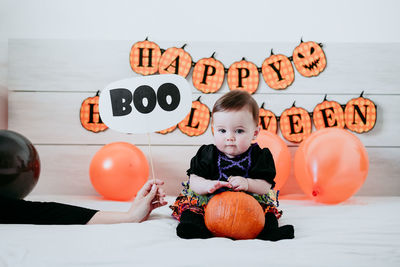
[19, 165]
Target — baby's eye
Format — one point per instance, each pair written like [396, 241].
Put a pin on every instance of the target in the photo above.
[239, 131]
[222, 130]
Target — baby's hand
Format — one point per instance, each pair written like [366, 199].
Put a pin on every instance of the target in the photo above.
[239, 183]
[215, 185]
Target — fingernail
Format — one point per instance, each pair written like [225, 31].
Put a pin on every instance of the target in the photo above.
[153, 187]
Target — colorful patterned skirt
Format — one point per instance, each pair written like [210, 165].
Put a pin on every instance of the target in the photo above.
[188, 199]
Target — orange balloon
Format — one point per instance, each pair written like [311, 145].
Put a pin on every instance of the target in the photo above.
[118, 171]
[281, 154]
[331, 165]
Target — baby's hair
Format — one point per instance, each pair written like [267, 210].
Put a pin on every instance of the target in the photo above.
[236, 100]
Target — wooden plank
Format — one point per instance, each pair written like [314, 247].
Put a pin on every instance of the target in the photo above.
[3, 85]
[89, 65]
[53, 118]
[65, 169]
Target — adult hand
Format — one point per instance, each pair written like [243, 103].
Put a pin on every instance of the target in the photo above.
[149, 197]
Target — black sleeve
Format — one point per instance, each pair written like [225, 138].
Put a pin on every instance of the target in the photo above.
[203, 163]
[18, 211]
[263, 166]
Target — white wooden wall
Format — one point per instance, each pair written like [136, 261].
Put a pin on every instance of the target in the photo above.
[49, 79]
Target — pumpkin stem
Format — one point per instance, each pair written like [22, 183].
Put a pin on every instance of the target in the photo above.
[183, 47]
[325, 97]
[294, 104]
[272, 51]
[320, 44]
[147, 38]
[98, 93]
[362, 94]
[198, 99]
[301, 39]
[262, 105]
[243, 58]
[213, 55]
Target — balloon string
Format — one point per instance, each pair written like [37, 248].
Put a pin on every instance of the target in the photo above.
[151, 159]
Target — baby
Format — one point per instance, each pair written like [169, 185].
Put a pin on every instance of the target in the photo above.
[234, 162]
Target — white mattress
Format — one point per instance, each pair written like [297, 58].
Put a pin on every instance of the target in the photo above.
[364, 231]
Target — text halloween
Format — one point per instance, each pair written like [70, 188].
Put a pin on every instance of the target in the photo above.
[295, 123]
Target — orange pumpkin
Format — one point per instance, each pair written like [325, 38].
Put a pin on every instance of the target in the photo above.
[360, 114]
[309, 59]
[268, 121]
[144, 57]
[277, 71]
[196, 122]
[236, 215]
[90, 116]
[243, 75]
[328, 114]
[295, 124]
[168, 130]
[175, 61]
[208, 75]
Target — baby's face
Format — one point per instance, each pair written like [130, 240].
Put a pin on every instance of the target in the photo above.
[234, 131]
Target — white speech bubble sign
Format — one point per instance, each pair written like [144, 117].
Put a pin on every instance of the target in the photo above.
[145, 104]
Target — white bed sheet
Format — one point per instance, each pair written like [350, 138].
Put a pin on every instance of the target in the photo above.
[363, 231]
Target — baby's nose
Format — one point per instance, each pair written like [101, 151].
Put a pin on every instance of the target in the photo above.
[230, 138]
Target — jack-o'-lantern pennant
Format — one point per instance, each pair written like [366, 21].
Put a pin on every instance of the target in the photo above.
[328, 114]
[360, 114]
[147, 58]
[268, 121]
[144, 57]
[309, 58]
[277, 71]
[196, 122]
[90, 116]
[208, 75]
[295, 124]
[243, 75]
[175, 61]
[168, 130]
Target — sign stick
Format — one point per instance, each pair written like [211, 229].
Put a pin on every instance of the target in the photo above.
[152, 166]
[151, 159]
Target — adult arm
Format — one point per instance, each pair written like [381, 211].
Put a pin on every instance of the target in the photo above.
[150, 197]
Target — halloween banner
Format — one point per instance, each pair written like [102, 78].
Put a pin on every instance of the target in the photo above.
[295, 123]
[148, 58]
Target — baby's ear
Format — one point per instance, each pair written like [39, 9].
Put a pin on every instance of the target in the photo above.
[256, 132]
